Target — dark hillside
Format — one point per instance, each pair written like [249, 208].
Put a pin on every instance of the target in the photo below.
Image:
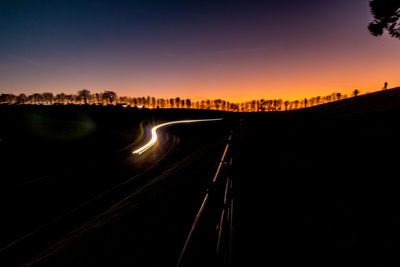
[385, 100]
[319, 186]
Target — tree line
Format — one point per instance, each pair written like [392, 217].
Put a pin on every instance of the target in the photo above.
[85, 97]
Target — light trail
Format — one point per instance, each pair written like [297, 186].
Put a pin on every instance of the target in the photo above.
[154, 137]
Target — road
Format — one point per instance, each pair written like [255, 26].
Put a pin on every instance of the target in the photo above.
[41, 212]
[154, 137]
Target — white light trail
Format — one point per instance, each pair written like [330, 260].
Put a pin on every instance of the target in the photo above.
[153, 139]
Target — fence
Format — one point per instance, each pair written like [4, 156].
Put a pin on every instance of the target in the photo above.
[219, 200]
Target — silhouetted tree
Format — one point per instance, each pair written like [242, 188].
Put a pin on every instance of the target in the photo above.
[123, 100]
[8, 98]
[286, 103]
[60, 98]
[356, 92]
[84, 94]
[234, 107]
[110, 96]
[202, 104]
[223, 105]
[68, 98]
[98, 98]
[143, 101]
[217, 103]
[208, 104]
[37, 98]
[177, 102]
[278, 104]
[48, 97]
[162, 103]
[22, 99]
[386, 17]
[188, 103]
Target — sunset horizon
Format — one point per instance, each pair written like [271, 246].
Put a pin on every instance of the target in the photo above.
[217, 50]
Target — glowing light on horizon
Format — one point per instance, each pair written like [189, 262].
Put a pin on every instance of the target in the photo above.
[154, 137]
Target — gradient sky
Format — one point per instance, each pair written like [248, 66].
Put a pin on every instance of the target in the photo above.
[235, 50]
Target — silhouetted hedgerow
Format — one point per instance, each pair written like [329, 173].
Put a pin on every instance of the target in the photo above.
[85, 97]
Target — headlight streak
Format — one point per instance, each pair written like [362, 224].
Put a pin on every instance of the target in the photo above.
[153, 139]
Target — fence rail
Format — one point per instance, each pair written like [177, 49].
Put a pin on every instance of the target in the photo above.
[223, 252]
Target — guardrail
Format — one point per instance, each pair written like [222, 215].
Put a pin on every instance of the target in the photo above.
[224, 238]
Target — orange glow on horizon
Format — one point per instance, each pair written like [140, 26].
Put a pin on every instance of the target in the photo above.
[297, 76]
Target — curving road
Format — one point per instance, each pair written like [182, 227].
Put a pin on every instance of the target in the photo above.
[154, 137]
[56, 205]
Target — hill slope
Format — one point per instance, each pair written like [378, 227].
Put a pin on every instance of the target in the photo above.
[318, 186]
[376, 101]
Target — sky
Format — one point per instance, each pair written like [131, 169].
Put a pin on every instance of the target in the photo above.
[209, 49]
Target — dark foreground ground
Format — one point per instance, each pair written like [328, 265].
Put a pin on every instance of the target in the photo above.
[314, 187]
[319, 187]
[62, 222]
